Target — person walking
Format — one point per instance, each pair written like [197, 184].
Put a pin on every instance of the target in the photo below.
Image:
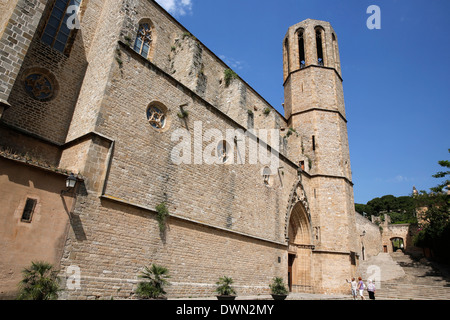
[371, 289]
[361, 287]
[353, 286]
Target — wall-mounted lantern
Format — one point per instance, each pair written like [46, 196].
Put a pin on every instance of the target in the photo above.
[71, 181]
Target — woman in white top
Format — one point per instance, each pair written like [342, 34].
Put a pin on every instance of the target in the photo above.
[371, 289]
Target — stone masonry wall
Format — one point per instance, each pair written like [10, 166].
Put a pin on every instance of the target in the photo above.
[144, 173]
[403, 231]
[224, 220]
[101, 28]
[47, 119]
[316, 87]
[371, 239]
[17, 30]
[218, 205]
[184, 57]
[112, 242]
[51, 119]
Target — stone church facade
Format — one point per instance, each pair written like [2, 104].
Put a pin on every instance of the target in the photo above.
[145, 117]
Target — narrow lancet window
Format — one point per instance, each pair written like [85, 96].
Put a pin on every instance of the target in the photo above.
[286, 55]
[335, 52]
[319, 46]
[301, 49]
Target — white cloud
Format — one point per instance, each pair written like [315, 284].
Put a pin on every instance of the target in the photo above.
[177, 7]
[400, 179]
[397, 179]
[233, 63]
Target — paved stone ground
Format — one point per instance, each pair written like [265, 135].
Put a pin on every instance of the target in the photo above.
[291, 296]
[406, 278]
[401, 278]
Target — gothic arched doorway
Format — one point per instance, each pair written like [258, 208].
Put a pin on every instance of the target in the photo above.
[299, 250]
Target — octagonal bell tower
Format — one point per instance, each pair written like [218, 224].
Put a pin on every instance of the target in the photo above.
[314, 99]
[315, 109]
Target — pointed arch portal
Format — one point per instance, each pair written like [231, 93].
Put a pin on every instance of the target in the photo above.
[300, 241]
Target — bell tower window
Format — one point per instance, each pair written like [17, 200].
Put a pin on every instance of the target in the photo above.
[286, 56]
[301, 49]
[335, 52]
[319, 46]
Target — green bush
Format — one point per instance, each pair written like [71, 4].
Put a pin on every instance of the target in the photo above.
[277, 286]
[224, 286]
[229, 75]
[162, 214]
[156, 280]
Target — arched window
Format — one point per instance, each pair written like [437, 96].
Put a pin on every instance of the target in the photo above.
[60, 25]
[335, 51]
[319, 45]
[301, 48]
[144, 39]
[286, 55]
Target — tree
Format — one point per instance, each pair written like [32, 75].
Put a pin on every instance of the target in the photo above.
[360, 208]
[389, 203]
[376, 206]
[442, 174]
[434, 223]
[435, 217]
[40, 282]
[400, 209]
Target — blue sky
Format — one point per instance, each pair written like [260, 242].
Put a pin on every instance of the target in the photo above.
[396, 79]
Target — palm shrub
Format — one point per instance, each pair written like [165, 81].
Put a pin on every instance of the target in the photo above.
[40, 282]
[156, 279]
[277, 286]
[224, 287]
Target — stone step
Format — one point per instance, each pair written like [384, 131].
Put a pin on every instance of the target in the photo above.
[416, 281]
[402, 291]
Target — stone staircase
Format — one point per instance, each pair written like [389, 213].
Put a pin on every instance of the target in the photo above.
[404, 278]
